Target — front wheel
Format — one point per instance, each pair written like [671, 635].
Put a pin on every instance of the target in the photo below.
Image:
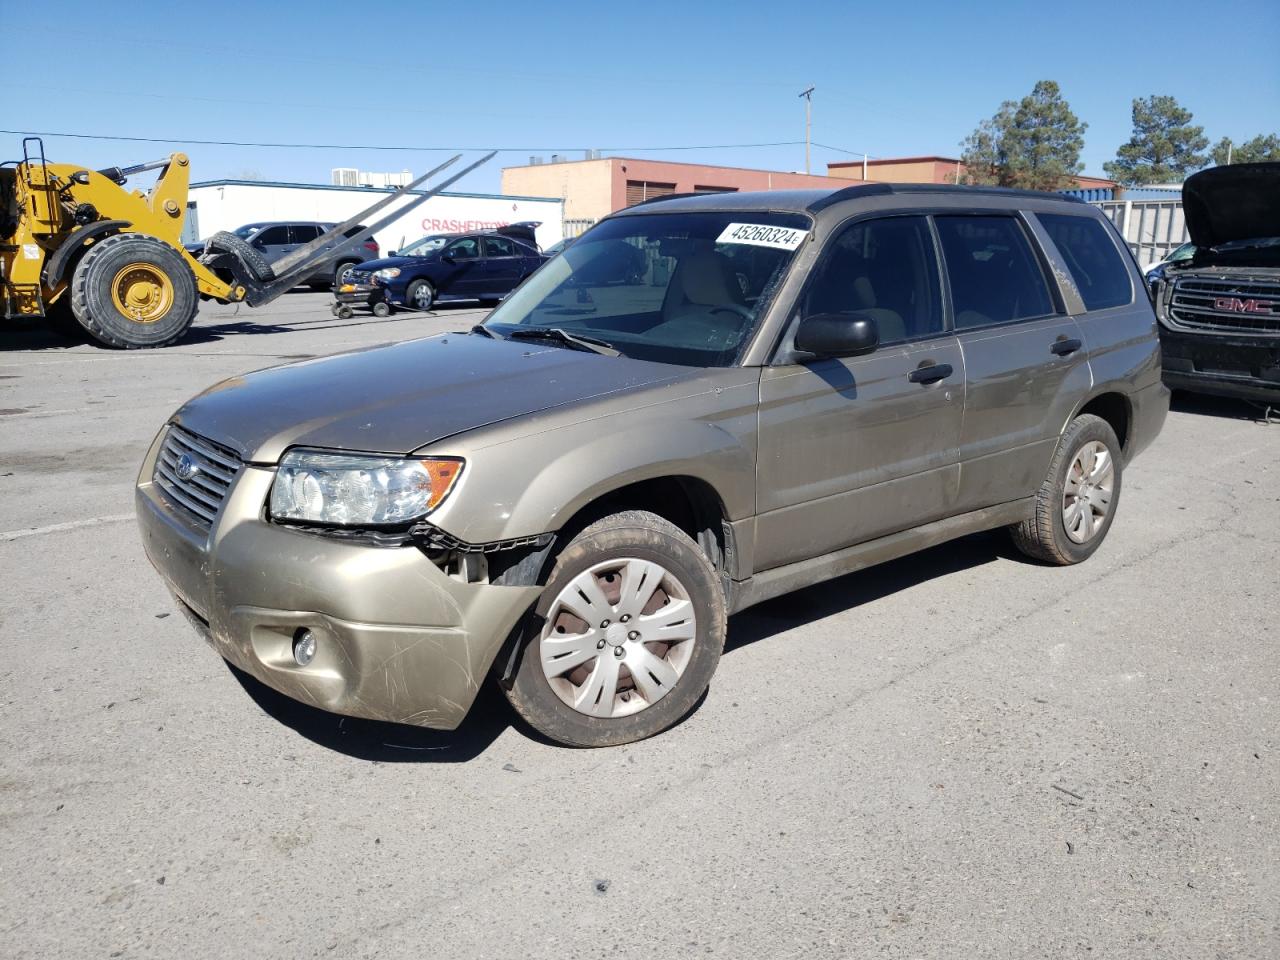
[131, 290]
[420, 295]
[1077, 501]
[628, 632]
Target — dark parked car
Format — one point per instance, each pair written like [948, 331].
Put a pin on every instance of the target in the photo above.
[575, 495]
[1220, 310]
[483, 266]
[274, 238]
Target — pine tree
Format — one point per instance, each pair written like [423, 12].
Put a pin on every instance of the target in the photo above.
[1165, 145]
[1033, 143]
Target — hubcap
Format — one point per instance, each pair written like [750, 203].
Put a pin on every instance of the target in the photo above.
[1087, 496]
[142, 292]
[422, 297]
[618, 638]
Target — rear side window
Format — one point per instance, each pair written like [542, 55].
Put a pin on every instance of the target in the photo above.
[499, 247]
[303, 233]
[1092, 258]
[995, 278]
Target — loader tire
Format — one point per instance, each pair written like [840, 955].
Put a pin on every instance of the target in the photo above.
[134, 291]
[244, 251]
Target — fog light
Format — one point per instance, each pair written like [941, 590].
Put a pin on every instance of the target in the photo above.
[304, 647]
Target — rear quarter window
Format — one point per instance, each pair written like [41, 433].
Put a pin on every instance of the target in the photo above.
[1092, 259]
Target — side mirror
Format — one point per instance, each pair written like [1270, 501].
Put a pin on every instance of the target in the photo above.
[837, 334]
[445, 258]
[391, 253]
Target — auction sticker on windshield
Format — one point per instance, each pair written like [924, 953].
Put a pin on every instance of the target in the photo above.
[760, 235]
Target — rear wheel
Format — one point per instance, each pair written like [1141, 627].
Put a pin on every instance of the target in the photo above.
[420, 295]
[1077, 501]
[134, 291]
[630, 629]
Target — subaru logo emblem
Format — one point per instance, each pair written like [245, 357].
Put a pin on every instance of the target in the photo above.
[186, 467]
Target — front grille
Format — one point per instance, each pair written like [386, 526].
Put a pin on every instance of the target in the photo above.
[212, 468]
[357, 276]
[1248, 305]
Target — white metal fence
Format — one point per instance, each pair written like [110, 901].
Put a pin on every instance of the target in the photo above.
[576, 228]
[1152, 228]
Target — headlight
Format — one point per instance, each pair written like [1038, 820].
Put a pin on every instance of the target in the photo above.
[316, 487]
[386, 273]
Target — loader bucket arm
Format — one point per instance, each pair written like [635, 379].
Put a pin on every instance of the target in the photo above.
[294, 267]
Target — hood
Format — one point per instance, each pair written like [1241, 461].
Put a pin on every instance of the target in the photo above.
[385, 262]
[398, 398]
[1237, 202]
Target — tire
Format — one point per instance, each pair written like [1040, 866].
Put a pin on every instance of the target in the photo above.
[634, 547]
[381, 309]
[134, 291]
[1048, 535]
[420, 295]
[244, 251]
[345, 313]
[340, 271]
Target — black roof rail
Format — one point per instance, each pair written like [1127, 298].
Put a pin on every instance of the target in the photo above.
[669, 196]
[879, 189]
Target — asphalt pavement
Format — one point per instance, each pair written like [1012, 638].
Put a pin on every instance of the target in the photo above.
[960, 754]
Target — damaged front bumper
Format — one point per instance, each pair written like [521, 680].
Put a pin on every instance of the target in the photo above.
[399, 637]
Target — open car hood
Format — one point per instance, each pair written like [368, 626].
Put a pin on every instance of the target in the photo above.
[1237, 202]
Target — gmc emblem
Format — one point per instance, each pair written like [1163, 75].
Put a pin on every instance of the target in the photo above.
[1236, 305]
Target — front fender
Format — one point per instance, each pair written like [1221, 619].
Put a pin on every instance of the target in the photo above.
[535, 482]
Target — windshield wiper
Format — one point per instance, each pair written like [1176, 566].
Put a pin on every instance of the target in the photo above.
[484, 331]
[560, 335]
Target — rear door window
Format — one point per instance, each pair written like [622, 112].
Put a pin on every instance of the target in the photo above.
[499, 247]
[1092, 258]
[994, 275]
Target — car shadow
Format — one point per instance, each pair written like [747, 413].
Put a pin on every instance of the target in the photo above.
[1227, 408]
[853, 590]
[381, 742]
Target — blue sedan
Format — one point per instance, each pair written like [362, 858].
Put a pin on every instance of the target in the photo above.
[471, 266]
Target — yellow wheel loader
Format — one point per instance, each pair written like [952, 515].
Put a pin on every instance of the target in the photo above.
[79, 249]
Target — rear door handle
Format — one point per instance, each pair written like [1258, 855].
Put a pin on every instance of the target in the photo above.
[930, 374]
[1064, 347]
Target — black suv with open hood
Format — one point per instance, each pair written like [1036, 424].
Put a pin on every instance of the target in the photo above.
[1220, 311]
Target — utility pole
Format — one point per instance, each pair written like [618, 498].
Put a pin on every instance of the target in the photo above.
[808, 123]
[1229, 145]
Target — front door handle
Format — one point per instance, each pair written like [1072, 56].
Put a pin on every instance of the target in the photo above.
[930, 373]
[1066, 346]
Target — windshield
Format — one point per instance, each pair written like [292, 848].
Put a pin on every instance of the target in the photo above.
[423, 247]
[685, 288]
[244, 233]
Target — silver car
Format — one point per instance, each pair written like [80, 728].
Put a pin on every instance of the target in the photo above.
[703, 403]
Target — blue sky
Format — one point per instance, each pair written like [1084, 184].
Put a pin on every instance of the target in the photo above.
[542, 77]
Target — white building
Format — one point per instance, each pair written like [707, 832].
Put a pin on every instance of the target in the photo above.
[353, 177]
[226, 204]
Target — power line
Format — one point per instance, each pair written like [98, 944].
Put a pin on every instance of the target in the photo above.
[387, 147]
[373, 146]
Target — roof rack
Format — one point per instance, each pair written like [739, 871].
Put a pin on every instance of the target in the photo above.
[875, 189]
[666, 196]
